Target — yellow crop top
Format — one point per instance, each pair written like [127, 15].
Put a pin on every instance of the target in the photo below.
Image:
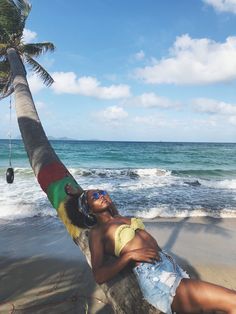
[125, 233]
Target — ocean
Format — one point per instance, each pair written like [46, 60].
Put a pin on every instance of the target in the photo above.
[144, 179]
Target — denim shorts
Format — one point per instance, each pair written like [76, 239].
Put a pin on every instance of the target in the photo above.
[159, 281]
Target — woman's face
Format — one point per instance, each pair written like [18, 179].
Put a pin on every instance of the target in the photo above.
[98, 200]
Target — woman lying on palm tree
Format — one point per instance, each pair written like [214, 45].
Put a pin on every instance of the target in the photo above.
[163, 282]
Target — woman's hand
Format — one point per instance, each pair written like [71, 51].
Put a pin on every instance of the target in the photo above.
[148, 255]
[71, 191]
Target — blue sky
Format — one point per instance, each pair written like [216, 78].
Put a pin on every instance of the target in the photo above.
[146, 70]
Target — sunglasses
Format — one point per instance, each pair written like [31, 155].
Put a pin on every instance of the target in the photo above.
[96, 195]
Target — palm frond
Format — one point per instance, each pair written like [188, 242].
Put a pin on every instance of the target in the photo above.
[13, 14]
[25, 7]
[37, 68]
[37, 49]
[10, 18]
[4, 36]
[3, 50]
[4, 94]
[3, 77]
[4, 68]
[6, 87]
[3, 46]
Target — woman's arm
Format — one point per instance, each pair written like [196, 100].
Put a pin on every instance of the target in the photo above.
[104, 272]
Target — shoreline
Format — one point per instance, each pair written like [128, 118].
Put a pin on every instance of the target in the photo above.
[42, 270]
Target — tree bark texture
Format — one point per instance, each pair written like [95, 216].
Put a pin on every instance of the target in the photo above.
[36, 143]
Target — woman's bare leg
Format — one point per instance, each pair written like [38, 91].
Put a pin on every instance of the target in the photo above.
[195, 296]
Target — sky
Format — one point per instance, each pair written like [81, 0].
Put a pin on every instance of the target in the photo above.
[146, 70]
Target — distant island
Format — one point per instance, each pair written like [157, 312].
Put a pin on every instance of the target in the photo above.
[63, 138]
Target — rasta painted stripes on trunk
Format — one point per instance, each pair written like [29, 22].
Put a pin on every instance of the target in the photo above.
[50, 173]
[53, 178]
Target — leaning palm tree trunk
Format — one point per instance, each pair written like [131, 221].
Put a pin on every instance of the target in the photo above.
[36, 144]
[123, 292]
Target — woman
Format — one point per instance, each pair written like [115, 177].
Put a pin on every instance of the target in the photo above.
[163, 283]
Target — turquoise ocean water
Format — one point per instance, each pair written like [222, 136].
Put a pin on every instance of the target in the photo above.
[146, 179]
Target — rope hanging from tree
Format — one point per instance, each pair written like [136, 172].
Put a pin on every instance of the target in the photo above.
[10, 170]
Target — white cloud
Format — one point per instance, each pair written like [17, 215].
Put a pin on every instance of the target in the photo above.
[35, 83]
[151, 100]
[157, 121]
[193, 61]
[222, 5]
[215, 107]
[146, 120]
[112, 114]
[40, 105]
[28, 35]
[232, 120]
[139, 55]
[67, 82]
[44, 111]
[221, 113]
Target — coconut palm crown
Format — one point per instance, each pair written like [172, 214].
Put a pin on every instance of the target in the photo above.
[13, 15]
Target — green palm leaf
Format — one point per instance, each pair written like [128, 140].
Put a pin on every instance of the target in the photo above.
[13, 15]
[5, 78]
[37, 68]
[4, 68]
[6, 89]
[24, 6]
[10, 19]
[37, 49]
[3, 50]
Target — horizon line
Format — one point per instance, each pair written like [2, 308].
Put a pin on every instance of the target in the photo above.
[138, 141]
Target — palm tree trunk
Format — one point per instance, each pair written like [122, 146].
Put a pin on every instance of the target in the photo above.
[36, 144]
[122, 292]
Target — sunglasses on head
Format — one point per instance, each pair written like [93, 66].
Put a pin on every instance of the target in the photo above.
[96, 195]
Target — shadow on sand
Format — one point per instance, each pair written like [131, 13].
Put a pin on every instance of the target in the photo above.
[47, 285]
[43, 271]
[207, 225]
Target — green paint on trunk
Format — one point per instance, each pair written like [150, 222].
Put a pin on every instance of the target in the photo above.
[56, 190]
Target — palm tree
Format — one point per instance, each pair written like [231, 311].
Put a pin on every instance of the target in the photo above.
[52, 175]
[13, 16]
[13, 54]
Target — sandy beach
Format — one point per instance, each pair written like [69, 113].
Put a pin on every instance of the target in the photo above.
[42, 270]
[205, 247]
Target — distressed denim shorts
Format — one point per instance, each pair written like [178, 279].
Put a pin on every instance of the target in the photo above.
[159, 281]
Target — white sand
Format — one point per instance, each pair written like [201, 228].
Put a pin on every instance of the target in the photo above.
[42, 270]
[206, 247]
